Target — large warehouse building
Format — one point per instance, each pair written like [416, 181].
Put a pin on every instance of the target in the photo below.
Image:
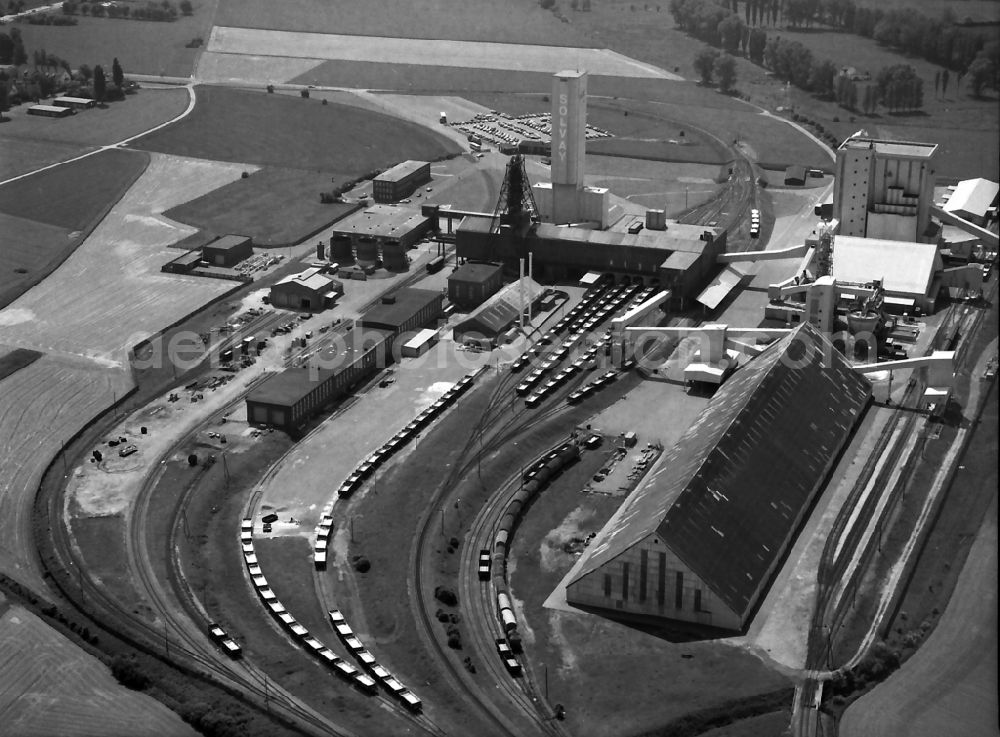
[910, 272]
[290, 398]
[228, 250]
[405, 310]
[696, 546]
[681, 258]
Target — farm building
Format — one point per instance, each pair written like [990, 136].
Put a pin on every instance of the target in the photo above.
[909, 272]
[400, 181]
[77, 103]
[500, 312]
[795, 176]
[404, 310]
[228, 250]
[50, 111]
[378, 233]
[309, 290]
[290, 398]
[696, 546]
[567, 253]
[474, 283]
[974, 200]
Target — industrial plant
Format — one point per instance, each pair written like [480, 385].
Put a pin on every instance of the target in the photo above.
[440, 419]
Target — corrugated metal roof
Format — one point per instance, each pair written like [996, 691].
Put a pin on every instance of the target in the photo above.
[495, 315]
[727, 497]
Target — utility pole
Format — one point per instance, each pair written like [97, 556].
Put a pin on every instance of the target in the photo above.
[442, 521]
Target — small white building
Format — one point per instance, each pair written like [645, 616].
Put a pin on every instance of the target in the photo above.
[974, 200]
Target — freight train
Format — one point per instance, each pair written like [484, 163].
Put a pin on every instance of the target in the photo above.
[536, 478]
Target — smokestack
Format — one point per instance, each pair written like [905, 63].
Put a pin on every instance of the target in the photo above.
[520, 290]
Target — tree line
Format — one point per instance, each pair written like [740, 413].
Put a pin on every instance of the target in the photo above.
[156, 11]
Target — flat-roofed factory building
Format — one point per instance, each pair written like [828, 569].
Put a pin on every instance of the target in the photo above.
[400, 181]
[228, 250]
[405, 310]
[696, 546]
[379, 233]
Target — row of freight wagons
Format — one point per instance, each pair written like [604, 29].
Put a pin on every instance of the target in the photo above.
[338, 665]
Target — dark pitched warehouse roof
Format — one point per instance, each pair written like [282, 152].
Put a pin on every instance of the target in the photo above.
[728, 495]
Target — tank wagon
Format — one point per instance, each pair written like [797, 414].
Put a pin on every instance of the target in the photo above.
[542, 473]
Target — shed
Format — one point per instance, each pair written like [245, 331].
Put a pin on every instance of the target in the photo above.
[309, 290]
[795, 176]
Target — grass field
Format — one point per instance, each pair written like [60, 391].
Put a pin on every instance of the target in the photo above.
[283, 131]
[146, 47]
[16, 360]
[45, 216]
[97, 126]
[513, 21]
[247, 206]
[56, 197]
[29, 155]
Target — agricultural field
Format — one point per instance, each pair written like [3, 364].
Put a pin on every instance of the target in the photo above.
[254, 128]
[41, 407]
[55, 197]
[16, 360]
[513, 21]
[42, 668]
[46, 215]
[247, 206]
[30, 250]
[97, 126]
[142, 47]
[449, 53]
[25, 156]
[110, 293]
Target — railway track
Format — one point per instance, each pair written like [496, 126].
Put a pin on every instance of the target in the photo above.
[957, 328]
[504, 419]
[180, 640]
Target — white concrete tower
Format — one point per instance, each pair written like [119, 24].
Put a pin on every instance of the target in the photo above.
[569, 138]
